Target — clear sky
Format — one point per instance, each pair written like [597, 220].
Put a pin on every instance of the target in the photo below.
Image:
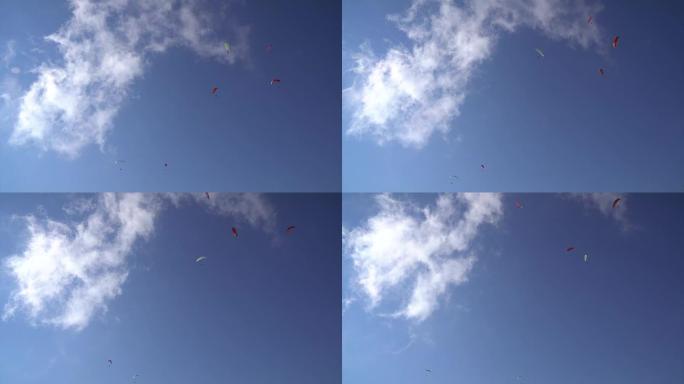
[137, 87]
[480, 291]
[90, 278]
[424, 101]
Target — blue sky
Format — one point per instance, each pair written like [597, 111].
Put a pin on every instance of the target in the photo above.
[522, 306]
[69, 110]
[262, 308]
[414, 116]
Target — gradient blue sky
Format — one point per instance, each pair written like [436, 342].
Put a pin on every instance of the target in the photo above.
[539, 124]
[263, 308]
[529, 308]
[250, 137]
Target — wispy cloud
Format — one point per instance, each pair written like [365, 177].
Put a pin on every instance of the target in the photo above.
[603, 202]
[414, 91]
[104, 48]
[416, 253]
[69, 270]
[9, 53]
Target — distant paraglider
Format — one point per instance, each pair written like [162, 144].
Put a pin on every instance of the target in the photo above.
[290, 229]
[589, 20]
[226, 46]
[275, 81]
[616, 39]
[539, 51]
[586, 258]
[234, 231]
[214, 90]
[569, 249]
[617, 202]
[207, 194]
[200, 259]
[601, 72]
[518, 204]
[110, 362]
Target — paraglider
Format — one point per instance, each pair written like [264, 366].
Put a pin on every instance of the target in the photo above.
[227, 47]
[586, 258]
[234, 231]
[569, 249]
[483, 166]
[166, 164]
[207, 194]
[589, 20]
[135, 377]
[214, 89]
[616, 202]
[615, 41]
[518, 204]
[601, 72]
[110, 362]
[539, 51]
[290, 229]
[428, 370]
[199, 259]
[275, 81]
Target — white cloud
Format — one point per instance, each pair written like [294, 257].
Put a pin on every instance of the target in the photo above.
[417, 253]
[68, 271]
[412, 92]
[104, 47]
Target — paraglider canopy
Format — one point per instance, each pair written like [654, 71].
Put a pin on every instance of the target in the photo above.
[601, 72]
[201, 258]
[616, 202]
[234, 231]
[207, 194]
[539, 51]
[290, 229]
[226, 46]
[518, 204]
[569, 249]
[616, 39]
[275, 81]
[589, 20]
[214, 89]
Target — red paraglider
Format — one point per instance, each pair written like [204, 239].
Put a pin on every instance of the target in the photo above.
[234, 231]
[214, 90]
[589, 20]
[616, 39]
[518, 204]
[616, 202]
